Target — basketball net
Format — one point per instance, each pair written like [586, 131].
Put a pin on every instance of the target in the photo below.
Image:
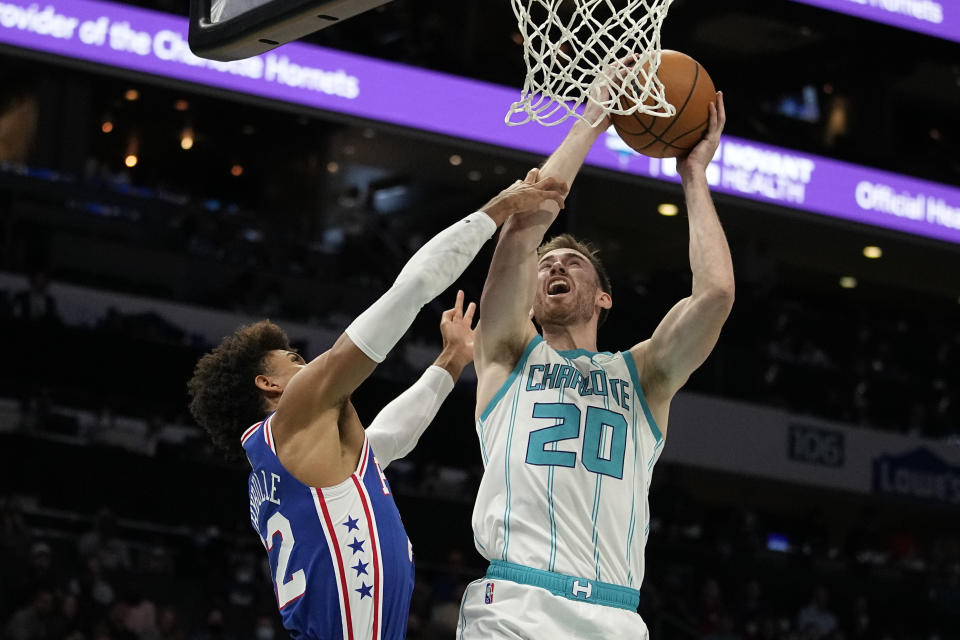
[572, 45]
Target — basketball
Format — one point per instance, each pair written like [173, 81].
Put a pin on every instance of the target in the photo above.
[690, 90]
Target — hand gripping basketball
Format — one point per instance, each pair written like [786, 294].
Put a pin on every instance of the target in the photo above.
[605, 86]
[690, 90]
[703, 152]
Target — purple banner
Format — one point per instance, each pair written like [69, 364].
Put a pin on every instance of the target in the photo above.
[810, 183]
[939, 18]
[156, 43]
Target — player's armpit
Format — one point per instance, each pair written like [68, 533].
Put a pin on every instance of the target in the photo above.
[682, 342]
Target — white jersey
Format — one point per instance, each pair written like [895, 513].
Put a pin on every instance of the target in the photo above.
[568, 445]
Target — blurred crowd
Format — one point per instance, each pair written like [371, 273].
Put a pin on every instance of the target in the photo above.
[712, 574]
[889, 369]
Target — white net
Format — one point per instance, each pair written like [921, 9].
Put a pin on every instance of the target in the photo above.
[569, 45]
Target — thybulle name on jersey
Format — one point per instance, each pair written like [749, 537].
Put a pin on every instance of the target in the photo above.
[541, 377]
[262, 489]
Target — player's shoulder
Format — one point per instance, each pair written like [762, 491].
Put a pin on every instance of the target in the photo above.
[638, 353]
[245, 438]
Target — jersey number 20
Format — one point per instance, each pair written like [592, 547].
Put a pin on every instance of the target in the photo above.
[604, 438]
[293, 588]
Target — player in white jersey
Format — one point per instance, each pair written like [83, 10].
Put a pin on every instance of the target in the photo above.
[569, 436]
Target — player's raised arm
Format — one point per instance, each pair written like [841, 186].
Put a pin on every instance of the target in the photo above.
[328, 380]
[505, 327]
[398, 427]
[689, 331]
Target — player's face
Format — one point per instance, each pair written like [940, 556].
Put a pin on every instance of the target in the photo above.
[282, 365]
[567, 288]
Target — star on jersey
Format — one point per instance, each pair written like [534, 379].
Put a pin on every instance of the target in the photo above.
[364, 591]
[360, 567]
[351, 524]
[356, 545]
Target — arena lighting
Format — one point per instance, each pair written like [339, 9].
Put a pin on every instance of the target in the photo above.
[186, 139]
[333, 167]
[872, 252]
[181, 105]
[131, 95]
[456, 160]
[668, 209]
[848, 282]
[133, 149]
[106, 127]
[155, 44]
[236, 170]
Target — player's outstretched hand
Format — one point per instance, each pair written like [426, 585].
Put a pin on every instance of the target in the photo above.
[700, 156]
[526, 196]
[606, 84]
[457, 332]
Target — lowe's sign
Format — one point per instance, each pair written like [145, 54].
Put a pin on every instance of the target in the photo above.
[918, 474]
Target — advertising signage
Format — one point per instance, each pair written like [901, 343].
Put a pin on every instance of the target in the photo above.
[154, 43]
[939, 18]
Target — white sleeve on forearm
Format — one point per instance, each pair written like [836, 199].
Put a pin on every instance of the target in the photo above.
[397, 428]
[426, 275]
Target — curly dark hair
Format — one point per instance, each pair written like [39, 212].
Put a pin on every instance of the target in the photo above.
[568, 241]
[223, 397]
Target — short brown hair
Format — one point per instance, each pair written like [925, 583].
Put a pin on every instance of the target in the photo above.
[223, 397]
[568, 241]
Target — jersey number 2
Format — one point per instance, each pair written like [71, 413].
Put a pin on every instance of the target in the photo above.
[295, 587]
[604, 438]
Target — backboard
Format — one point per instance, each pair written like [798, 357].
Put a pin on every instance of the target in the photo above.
[236, 29]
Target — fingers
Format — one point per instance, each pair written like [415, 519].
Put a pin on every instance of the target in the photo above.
[468, 316]
[532, 176]
[458, 305]
[553, 184]
[718, 116]
[555, 196]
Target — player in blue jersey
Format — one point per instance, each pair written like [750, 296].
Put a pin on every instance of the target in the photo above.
[341, 561]
[569, 436]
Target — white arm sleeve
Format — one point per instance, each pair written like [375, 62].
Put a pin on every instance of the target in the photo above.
[426, 275]
[397, 428]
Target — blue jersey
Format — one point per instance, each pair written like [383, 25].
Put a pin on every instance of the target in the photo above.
[340, 559]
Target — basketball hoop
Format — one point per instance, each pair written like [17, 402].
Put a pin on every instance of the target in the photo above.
[569, 45]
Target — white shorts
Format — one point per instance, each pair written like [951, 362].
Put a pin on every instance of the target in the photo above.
[518, 611]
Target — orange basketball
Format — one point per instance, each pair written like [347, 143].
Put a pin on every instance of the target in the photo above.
[690, 90]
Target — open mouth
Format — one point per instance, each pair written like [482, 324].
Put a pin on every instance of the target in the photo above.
[557, 287]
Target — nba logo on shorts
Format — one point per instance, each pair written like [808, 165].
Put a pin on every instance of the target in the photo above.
[488, 596]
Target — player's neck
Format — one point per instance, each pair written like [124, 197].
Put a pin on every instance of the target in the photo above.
[570, 337]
